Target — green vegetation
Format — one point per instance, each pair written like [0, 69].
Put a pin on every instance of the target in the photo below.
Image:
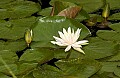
[26, 29]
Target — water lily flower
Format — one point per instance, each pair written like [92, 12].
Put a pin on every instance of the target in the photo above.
[69, 38]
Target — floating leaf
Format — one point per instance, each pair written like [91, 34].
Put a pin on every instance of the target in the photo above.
[60, 6]
[114, 4]
[110, 34]
[19, 9]
[15, 29]
[88, 5]
[100, 49]
[110, 67]
[4, 70]
[8, 46]
[39, 55]
[8, 56]
[40, 44]
[82, 15]
[30, 75]
[70, 12]
[115, 27]
[4, 76]
[24, 68]
[45, 12]
[115, 58]
[79, 69]
[5, 1]
[47, 27]
[115, 16]
[47, 71]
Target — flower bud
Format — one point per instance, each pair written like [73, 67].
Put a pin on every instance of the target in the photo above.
[28, 36]
[106, 11]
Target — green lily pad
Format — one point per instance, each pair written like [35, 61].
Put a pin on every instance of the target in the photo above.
[82, 15]
[30, 75]
[39, 55]
[15, 29]
[5, 1]
[45, 12]
[88, 6]
[80, 69]
[110, 34]
[24, 68]
[6, 71]
[115, 58]
[61, 54]
[4, 76]
[13, 45]
[41, 44]
[114, 4]
[97, 49]
[8, 56]
[115, 27]
[19, 9]
[47, 27]
[47, 71]
[115, 16]
[60, 6]
[110, 67]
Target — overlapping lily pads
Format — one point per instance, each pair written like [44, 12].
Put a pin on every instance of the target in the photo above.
[18, 9]
[47, 27]
[44, 60]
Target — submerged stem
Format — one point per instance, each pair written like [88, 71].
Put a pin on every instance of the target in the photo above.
[7, 67]
[68, 55]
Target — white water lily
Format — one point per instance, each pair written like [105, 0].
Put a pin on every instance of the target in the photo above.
[69, 38]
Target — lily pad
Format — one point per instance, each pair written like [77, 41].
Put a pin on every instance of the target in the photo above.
[38, 55]
[100, 49]
[4, 76]
[19, 9]
[13, 45]
[115, 58]
[110, 34]
[15, 29]
[115, 16]
[114, 4]
[6, 1]
[24, 68]
[8, 56]
[115, 27]
[88, 6]
[80, 69]
[110, 67]
[47, 27]
[47, 71]
[45, 12]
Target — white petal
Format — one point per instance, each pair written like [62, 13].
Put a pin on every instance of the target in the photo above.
[68, 48]
[58, 43]
[76, 45]
[69, 31]
[62, 35]
[64, 31]
[79, 50]
[66, 35]
[82, 42]
[76, 35]
[58, 39]
[53, 42]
